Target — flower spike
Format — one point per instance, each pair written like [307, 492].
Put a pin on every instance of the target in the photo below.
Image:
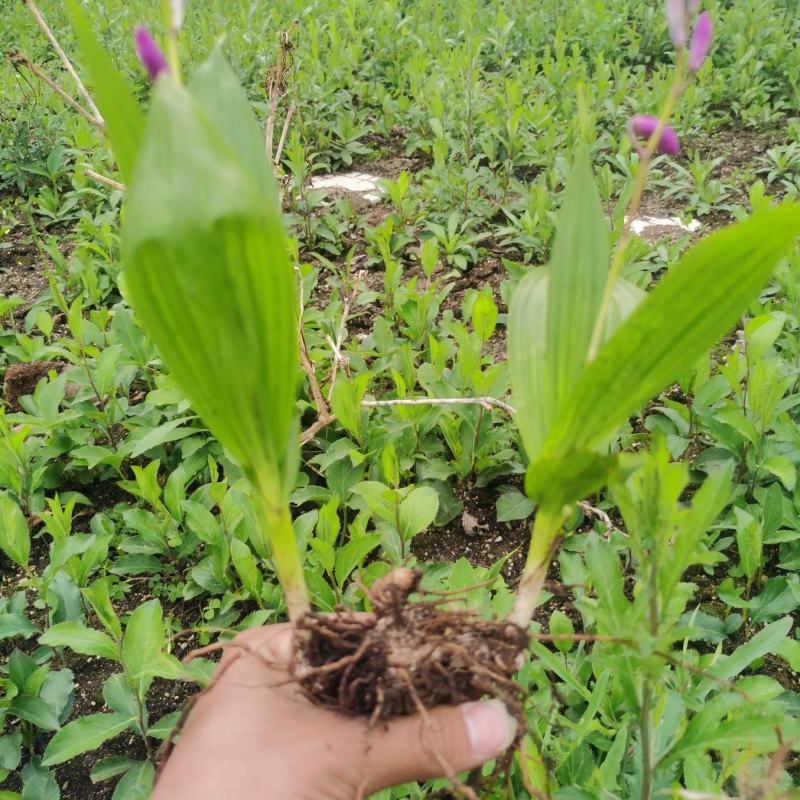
[701, 41]
[677, 22]
[643, 127]
[149, 53]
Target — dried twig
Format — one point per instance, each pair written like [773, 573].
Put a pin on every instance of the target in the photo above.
[40, 21]
[341, 333]
[104, 179]
[589, 509]
[275, 84]
[18, 60]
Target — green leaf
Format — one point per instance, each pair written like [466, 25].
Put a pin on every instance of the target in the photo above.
[110, 767]
[789, 651]
[246, 567]
[767, 640]
[418, 511]
[380, 499]
[577, 276]
[782, 469]
[352, 554]
[346, 402]
[35, 711]
[81, 639]
[561, 625]
[694, 305]
[557, 482]
[164, 727]
[15, 625]
[98, 597]
[122, 114]
[15, 539]
[143, 641]
[38, 783]
[219, 92]
[513, 505]
[136, 783]
[527, 354]
[206, 267]
[119, 696]
[82, 735]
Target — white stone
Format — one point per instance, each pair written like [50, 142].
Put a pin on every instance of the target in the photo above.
[357, 182]
[641, 224]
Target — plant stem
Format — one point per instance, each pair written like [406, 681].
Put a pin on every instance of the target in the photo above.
[280, 532]
[544, 540]
[646, 155]
[644, 737]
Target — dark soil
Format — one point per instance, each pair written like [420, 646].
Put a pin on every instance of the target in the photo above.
[21, 379]
[22, 272]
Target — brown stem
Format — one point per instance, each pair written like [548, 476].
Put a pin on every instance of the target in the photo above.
[40, 21]
[18, 60]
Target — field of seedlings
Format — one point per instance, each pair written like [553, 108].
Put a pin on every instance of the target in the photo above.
[458, 344]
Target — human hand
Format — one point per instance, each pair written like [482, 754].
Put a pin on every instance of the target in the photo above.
[254, 735]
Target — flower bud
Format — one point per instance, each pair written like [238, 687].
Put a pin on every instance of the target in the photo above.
[643, 127]
[677, 22]
[701, 41]
[149, 53]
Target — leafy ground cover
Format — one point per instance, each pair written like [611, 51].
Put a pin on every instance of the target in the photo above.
[128, 535]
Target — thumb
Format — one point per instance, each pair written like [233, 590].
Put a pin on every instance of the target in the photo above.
[447, 739]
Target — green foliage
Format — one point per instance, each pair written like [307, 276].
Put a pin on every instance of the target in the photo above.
[129, 526]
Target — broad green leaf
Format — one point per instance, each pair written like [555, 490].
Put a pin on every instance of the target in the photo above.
[38, 783]
[418, 511]
[380, 499]
[767, 640]
[246, 567]
[204, 252]
[119, 696]
[513, 505]
[81, 639]
[561, 625]
[219, 92]
[110, 767]
[15, 539]
[15, 625]
[164, 727]
[527, 330]
[694, 305]
[352, 554]
[577, 276]
[143, 641]
[789, 651]
[98, 597]
[346, 402]
[136, 783]
[123, 117]
[82, 735]
[783, 469]
[35, 711]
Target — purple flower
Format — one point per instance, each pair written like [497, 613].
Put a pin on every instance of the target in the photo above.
[677, 22]
[643, 127]
[701, 41]
[149, 52]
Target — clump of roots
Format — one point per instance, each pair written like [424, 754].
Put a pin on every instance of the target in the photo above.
[408, 657]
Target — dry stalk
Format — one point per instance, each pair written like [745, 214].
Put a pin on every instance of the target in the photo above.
[104, 179]
[87, 98]
[18, 60]
[275, 85]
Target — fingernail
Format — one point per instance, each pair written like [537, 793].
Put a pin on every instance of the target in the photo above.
[491, 729]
